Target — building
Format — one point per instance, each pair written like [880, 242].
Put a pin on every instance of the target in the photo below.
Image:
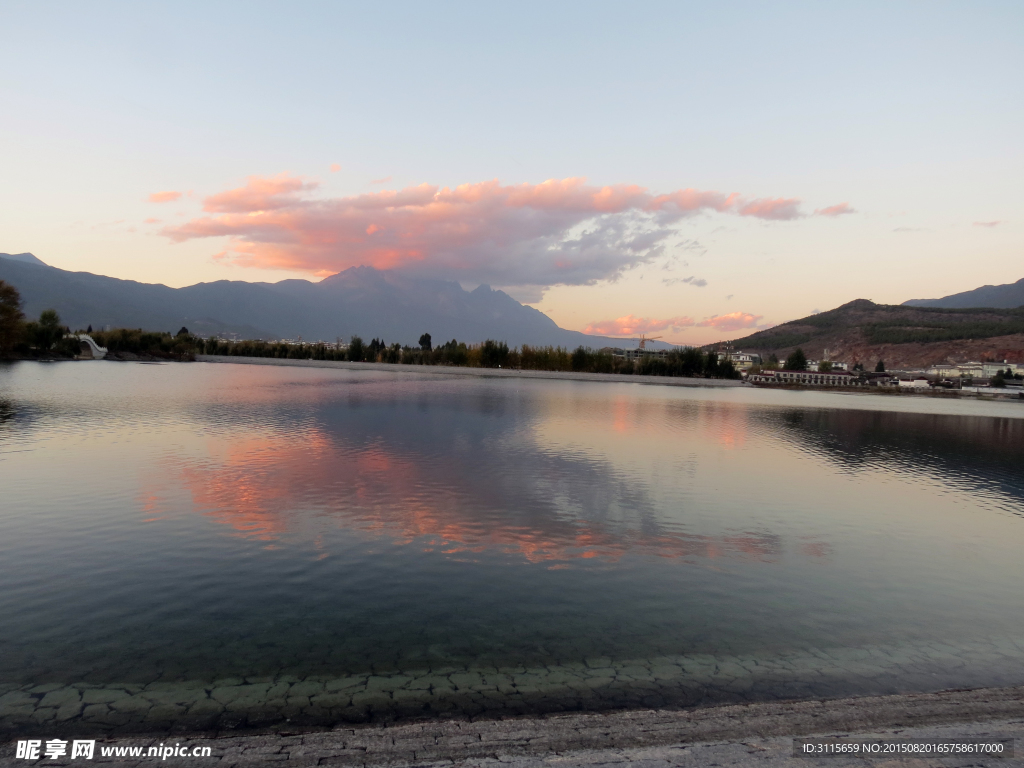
[742, 361]
[635, 354]
[918, 382]
[813, 365]
[988, 370]
[973, 370]
[806, 378]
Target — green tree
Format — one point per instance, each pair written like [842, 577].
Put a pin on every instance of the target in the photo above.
[450, 353]
[825, 366]
[355, 349]
[48, 331]
[10, 317]
[880, 367]
[796, 361]
[727, 369]
[425, 344]
[182, 332]
[493, 354]
[373, 350]
[581, 359]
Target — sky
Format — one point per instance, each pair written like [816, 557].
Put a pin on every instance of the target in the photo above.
[687, 170]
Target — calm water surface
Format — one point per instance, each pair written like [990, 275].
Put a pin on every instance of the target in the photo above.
[387, 545]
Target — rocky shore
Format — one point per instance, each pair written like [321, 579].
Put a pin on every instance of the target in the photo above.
[446, 689]
[753, 734]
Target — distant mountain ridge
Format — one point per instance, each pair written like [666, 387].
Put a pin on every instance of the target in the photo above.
[25, 258]
[360, 301]
[1006, 296]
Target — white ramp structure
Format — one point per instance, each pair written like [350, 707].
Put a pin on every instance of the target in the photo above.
[90, 349]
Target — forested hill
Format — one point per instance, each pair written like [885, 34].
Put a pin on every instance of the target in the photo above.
[903, 336]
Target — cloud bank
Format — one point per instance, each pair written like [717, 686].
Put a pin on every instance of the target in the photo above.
[631, 326]
[561, 231]
[734, 321]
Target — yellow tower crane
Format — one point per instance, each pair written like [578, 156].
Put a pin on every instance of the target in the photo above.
[644, 339]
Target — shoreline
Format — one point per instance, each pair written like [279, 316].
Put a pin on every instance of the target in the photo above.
[500, 373]
[496, 373]
[479, 691]
[760, 732]
[615, 378]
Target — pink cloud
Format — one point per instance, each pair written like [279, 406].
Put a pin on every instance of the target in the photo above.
[835, 210]
[734, 321]
[385, 180]
[561, 231]
[987, 223]
[687, 200]
[779, 208]
[260, 194]
[335, 167]
[151, 221]
[631, 326]
[164, 197]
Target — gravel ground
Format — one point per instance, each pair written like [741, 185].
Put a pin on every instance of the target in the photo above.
[753, 734]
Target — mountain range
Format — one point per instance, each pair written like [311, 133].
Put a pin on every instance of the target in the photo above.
[1002, 296]
[371, 303]
[360, 301]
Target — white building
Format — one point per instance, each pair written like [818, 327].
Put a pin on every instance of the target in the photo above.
[919, 382]
[813, 365]
[991, 369]
[973, 370]
[742, 361]
[805, 378]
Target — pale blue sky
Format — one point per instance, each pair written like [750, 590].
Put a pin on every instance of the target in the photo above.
[912, 113]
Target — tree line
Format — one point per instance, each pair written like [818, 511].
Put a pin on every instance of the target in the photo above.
[26, 338]
[490, 354]
[48, 337]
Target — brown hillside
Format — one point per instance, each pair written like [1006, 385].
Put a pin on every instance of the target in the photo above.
[903, 336]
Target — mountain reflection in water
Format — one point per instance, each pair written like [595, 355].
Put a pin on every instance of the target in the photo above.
[536, 485]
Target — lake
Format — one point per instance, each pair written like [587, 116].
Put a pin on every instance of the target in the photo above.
[216, 546]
